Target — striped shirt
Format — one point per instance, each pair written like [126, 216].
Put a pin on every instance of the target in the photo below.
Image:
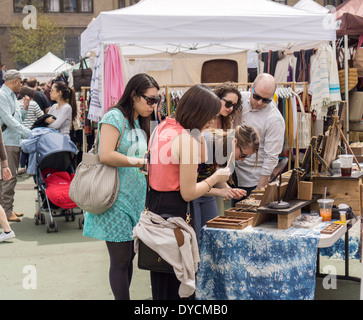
[34, 112]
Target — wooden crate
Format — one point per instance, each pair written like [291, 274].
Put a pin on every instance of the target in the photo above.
[358, 151]
[342, 190]
[229, 222]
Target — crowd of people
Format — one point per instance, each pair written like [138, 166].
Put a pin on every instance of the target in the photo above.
[187, 158]
[22, 103]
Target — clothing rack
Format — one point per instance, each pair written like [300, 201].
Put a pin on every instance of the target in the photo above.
[293, 86]
[171, 86]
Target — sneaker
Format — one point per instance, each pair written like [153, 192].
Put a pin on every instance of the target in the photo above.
[21, 171]
[6, 236]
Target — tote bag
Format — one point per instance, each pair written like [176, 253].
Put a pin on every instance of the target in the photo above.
[82, 77]
[303, 124]
[95, 185]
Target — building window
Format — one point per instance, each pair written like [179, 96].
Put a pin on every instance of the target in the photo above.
[334, 3]
[280, 1]
[126, 3]
[66, 6]
[71, 49]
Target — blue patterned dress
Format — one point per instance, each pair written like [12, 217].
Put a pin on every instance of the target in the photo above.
[117, 223]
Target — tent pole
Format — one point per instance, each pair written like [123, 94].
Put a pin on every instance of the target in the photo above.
[102, 93]
[346, 67]
[334, 46]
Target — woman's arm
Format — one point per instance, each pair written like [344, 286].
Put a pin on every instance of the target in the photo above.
[107, 144]
[188, 159]
[64, 115]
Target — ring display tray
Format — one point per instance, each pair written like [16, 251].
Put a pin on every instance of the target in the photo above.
[230, 222]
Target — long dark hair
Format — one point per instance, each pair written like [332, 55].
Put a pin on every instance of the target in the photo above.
[136, 86]
[197, 107]
[68, 95]
[221, 91]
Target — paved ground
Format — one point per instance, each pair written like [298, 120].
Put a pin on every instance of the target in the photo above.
[66, 265]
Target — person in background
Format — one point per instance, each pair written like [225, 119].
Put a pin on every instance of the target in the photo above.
[2, 74]
[231, 101]
[260, 111]
[11, 119]
[245, 142]
[65, 110]
[115, 226]
[39, 97]
[34, 112]
[173, 180]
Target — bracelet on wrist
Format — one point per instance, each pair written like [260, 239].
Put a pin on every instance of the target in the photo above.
[210, 188]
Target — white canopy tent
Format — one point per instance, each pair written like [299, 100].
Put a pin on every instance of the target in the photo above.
[206, 26]
[45, 68]
[311, 6]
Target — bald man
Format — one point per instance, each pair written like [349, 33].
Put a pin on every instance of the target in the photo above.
[260, 111]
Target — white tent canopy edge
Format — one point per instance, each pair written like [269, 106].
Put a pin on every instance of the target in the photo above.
[206, 26]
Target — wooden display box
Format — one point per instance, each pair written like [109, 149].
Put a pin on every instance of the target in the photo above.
[346, 190]
[358, 151]
[229, 222]
[239, 212]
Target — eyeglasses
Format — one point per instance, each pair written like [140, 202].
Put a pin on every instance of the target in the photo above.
[243, 155]
[258, 97]
[230, 104]
[151, 101]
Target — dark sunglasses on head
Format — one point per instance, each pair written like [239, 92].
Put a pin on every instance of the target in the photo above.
[151, 101]
[243, 155]
[258, 98]
[230, 104]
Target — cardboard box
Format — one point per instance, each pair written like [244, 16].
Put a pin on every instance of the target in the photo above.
[358, 151]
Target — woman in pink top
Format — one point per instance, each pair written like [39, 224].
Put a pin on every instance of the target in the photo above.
[174, 156]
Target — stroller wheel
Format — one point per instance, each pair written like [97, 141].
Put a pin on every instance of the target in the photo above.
[36, 218]
[80, 223]
[52, 225]
[42, 218]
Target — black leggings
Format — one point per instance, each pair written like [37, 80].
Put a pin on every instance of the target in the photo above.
[121, 257]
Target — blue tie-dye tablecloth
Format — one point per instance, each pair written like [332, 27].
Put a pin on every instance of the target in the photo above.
[257, 264]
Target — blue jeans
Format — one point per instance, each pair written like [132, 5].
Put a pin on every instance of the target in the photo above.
[205, 209]
[248, 190]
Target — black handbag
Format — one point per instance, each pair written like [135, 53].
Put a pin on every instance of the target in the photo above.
[82, 77]
[150, 260]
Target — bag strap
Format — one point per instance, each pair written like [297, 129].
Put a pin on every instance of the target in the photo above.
[118, 140]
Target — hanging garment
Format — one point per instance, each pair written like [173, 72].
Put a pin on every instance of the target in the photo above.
[95, 111]
[270, 60]
[324, 87]
[114, 82]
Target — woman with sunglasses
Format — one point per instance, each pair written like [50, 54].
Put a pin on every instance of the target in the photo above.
[115, 226]
[174, 158]
[243, 142]
[231, 101]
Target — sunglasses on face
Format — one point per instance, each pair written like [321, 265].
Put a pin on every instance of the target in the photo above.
[151, 101]
[230, 104]
[258, 97]
[243, 155]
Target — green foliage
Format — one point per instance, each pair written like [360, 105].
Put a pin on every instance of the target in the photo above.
[29, 45]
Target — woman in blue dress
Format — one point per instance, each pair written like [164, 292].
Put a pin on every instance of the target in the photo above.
[116, 224]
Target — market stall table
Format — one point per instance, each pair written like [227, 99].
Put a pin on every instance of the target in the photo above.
[260, 263]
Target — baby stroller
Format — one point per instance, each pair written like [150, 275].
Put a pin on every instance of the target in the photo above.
[53, 155]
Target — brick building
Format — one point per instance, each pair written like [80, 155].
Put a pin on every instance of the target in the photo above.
[74, 16]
